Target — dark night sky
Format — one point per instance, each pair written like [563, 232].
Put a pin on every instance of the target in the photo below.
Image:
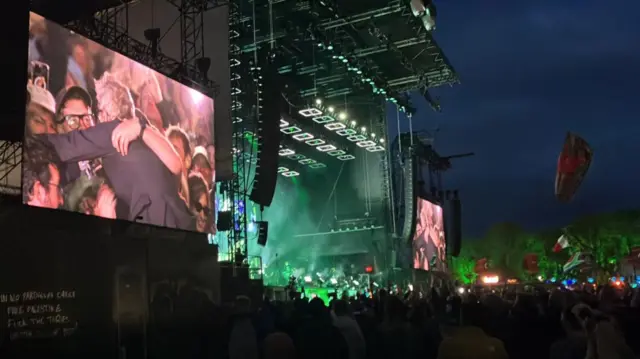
[531, 71]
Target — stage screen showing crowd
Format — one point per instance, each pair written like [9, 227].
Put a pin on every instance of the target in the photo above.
[109, 137]
[429, 245]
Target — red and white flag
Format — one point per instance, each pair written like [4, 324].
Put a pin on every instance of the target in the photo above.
[562, 243]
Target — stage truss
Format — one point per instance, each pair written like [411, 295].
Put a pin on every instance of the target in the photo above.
[360, 55]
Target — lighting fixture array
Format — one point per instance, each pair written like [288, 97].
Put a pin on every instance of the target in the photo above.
[301, 159]
[338, 123]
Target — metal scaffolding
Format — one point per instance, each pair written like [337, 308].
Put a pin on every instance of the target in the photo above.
[10, 160]
[110, 28]
[243, 113]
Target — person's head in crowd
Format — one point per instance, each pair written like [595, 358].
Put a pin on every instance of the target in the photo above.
[472, 315]
[200, 203]
[200, 164]
[317, 310]
[340, 308]
[73, 110]
[41, 107]
[395, 310]
[114, 100]
[571, 324]
[41, 177]
[279, 346]
[242, 305]
[180, 141]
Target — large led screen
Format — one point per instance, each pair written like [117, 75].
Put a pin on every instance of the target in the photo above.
[109, 137]
[429, 245]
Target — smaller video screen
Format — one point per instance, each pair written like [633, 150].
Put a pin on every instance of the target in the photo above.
[429, 244]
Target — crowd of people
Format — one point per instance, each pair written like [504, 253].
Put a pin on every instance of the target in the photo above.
[117, 140]
[442, 324]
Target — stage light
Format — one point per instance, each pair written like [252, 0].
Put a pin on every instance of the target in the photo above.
[334, 281]
[317, 165]
[326, 148]
[296, 157]
[336, 152]
[334, 126]
[283, 123]
[342, 116]
[307, 161]
[490, 279]
[381, 140]
[323, 119]
[330, 109]
[346, 157]
[302, 136]
[310, 112]
[282, 169]
[368, 269]
[290, 130]
[307, 279]
[346, 132]
[363, 144]
[373, 135]
[363, 129]
[290, 174]
[318, 101]
[315, 142]
[286, 152]
[354, 123]
[375, 149]
[356, 138]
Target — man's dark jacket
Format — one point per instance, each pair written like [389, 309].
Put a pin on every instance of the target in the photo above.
[139, 179]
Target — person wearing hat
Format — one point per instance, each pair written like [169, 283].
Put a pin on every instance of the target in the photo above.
[41, 107]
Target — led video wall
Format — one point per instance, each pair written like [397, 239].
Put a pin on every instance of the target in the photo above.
[109, 137]
[429, 244]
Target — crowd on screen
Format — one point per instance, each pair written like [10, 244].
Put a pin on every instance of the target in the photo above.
[429, 245]
[106, 136]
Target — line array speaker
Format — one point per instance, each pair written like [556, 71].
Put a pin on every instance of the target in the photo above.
[266, 175]
[410, 196]
[454, 243]
[263, 232]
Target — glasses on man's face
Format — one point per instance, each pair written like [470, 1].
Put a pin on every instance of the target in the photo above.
[200, 208]
[74, 121]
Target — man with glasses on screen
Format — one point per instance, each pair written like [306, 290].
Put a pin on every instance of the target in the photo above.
[74, 113]
[41, 177]
[138, 161]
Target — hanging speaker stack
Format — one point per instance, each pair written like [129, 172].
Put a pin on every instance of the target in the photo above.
[410, 196]
[266, 174]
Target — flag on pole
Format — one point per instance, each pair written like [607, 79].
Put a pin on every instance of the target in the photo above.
[562, 243]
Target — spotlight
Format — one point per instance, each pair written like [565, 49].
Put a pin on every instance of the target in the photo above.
[381, 140]
[373, 135]
[153, 36]
[363, 129]
[342, 116]
[318, 101]
[308, 279]
[330, 109]
[353, 123]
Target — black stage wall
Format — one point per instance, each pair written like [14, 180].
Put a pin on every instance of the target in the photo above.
[74, 286]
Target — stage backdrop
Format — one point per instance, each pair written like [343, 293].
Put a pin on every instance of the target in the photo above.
[109, 137]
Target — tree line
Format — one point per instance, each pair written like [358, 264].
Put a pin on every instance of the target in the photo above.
[608, 237]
